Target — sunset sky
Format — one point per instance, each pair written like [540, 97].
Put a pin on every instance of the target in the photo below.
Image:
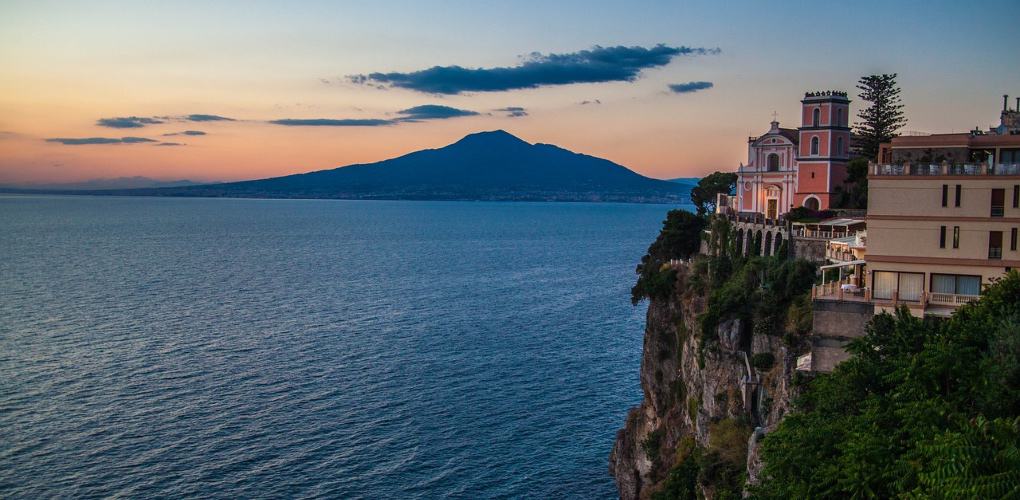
[216, 91]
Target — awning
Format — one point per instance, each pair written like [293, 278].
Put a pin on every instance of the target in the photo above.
[844, 264]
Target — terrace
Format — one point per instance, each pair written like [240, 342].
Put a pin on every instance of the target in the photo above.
[943, 169]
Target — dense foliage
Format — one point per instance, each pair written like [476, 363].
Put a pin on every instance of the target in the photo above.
[854, 192]
[704, 194]
[680, 238]
[883, 117]
[922, 409]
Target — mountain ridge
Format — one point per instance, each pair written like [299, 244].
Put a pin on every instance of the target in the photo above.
[490, 165]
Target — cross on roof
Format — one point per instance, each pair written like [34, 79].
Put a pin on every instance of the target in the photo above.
[774, 115]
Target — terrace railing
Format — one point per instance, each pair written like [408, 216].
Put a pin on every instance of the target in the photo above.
[945, 168]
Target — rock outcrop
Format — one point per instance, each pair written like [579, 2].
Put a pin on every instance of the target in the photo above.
[705, 396]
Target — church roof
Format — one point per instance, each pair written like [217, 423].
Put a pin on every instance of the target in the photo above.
[791, 134]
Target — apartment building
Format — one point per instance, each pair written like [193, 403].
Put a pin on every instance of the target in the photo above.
[938, 233]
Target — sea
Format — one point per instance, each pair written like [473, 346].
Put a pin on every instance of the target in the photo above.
[242, 348]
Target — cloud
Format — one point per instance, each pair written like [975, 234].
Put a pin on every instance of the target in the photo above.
[169, 144]
[596, 65]
[684, 88]
[433, 112]
[513, 111]
[127, 122]
[186, 132]
[82, 141]
[207, 118]
[410, 115]
[329, 122]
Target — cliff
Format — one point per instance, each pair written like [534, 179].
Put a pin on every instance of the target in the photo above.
[717, 371]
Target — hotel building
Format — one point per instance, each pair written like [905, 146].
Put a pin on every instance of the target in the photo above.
[943, 217]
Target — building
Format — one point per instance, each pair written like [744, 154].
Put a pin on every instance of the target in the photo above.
[943, 218]
[789, 168]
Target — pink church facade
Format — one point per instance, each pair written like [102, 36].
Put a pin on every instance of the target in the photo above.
[788, 168]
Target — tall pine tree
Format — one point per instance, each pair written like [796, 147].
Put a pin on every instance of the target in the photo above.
[883, 117]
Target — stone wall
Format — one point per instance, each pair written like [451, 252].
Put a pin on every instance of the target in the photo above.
[809, 249]
[836, 319]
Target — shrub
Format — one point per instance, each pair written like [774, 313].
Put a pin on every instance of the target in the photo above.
[763, 361]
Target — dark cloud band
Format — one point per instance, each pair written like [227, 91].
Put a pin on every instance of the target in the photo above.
[597, 65]
[83, 141]
[415, 114]
[684, 88]
[513, 111]
[128, 122]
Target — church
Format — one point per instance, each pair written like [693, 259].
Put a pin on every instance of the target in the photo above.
[788, 168]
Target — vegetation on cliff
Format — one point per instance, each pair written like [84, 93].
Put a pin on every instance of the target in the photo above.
[922, 409]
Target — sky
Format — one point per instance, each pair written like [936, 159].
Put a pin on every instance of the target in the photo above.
[216, 91]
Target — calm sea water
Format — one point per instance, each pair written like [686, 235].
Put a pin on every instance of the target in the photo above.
[269, 348]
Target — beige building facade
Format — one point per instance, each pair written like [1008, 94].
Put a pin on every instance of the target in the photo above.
[937, 234]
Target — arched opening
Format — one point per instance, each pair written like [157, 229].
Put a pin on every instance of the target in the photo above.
[739, 242]
[814, 145]
[816, 117]
[767, 247]
[839, 117]
[839, 145]
[778, 243]
[773, 162]
[755, 249]
[811, 203]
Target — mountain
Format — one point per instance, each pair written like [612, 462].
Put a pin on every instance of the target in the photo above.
[135, 182]
[483, 166]
[687, 181]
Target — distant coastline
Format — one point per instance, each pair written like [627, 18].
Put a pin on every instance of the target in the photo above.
[485, 166]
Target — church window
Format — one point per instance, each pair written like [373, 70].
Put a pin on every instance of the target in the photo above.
[814, 145]
[773, 162]
[839, 117]
[839, 145]
[815, 117]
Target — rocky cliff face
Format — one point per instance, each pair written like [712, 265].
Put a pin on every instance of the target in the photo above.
[705, 406]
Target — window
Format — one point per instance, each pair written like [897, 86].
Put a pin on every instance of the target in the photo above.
[1016, 196]
[945, 195]
[959, 193]
[956, 284]
[839, 145]
[998, 202]
[995, 244]
[814, 145]
[942, 236]
[884, 284]
[815, 117]
[839, 117]
[890, 285]
[773, 162]
[956, 236]
[1012, 239]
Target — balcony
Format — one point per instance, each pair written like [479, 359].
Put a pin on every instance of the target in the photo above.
[943, 169]
[950, 299]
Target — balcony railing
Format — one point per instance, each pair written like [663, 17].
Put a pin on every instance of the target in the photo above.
[950, 299]
[925, 169]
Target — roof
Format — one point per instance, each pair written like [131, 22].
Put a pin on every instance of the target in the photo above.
[964, 140]
[837, 222]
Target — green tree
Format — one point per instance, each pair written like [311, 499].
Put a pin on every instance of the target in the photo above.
[680, 238]
[883, 117]
[854, 192]
[704, 194]
[924, 408]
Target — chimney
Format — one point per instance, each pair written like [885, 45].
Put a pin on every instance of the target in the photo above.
[1017, 104]
[1005, 102]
